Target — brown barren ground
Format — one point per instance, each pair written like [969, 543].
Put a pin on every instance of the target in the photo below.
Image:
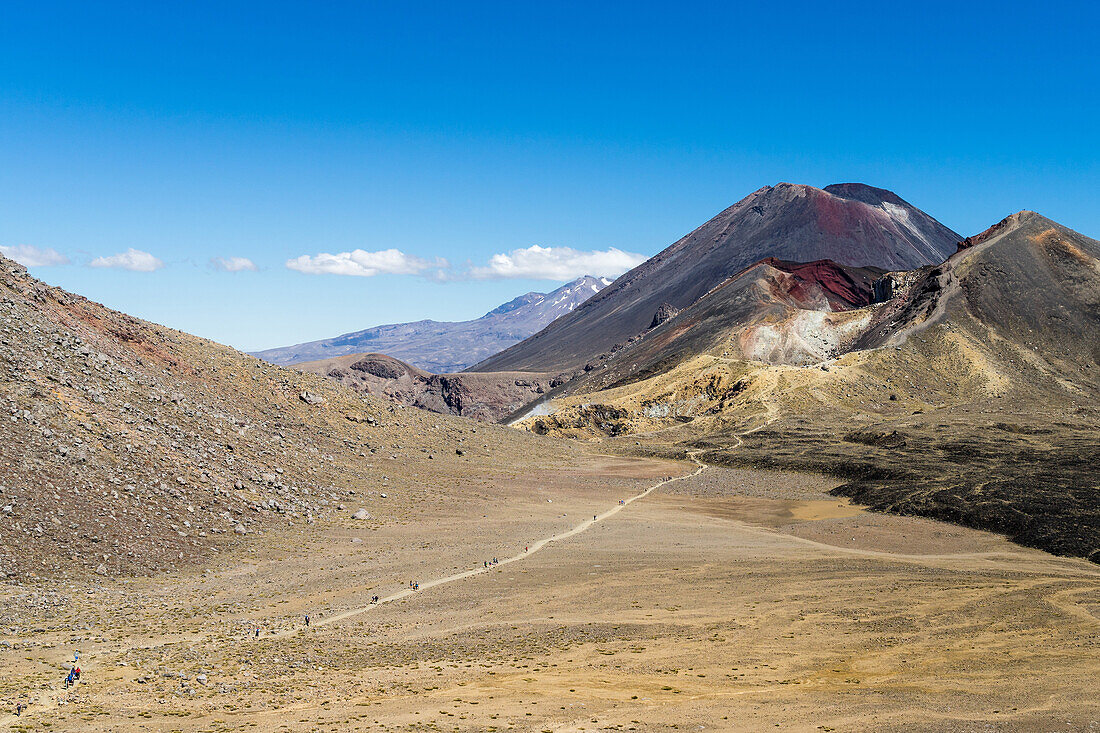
[731, 600]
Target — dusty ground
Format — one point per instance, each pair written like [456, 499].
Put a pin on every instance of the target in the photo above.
[734, 600]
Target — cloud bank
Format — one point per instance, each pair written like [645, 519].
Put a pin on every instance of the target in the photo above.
[361, 263]
[132, 259]
[233, 264]
[30, 256]
[556, 263]
[533, 263]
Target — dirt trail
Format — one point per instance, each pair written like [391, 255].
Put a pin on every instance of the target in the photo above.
[531, 550]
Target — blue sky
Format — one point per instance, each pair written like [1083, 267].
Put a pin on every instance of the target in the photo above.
[459, 132]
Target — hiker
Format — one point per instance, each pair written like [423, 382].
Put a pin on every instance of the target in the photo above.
[69, 679]
[307, 619]
[76, 674]
[257, 632]
[19, 709]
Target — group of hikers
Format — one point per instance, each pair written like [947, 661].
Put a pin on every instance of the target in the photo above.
[490, 563]
[414, 585]
[71, 679]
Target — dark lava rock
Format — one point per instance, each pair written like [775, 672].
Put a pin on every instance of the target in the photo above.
[665, 313]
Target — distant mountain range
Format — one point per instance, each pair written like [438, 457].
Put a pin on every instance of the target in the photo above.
[848, 223]
[443, 347]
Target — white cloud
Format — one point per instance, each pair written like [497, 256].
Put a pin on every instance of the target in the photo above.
[31, 256]
[233, 264]
[535, 263]
[131, 259]
[364, 264]
[556, 263]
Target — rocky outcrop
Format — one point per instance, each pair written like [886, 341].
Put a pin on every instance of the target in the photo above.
[665, 313]
[487, 397]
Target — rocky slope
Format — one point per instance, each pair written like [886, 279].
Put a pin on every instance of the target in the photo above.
[444, 347]
[487, 397]
[970, 392]
[127, 447]
[850, 224]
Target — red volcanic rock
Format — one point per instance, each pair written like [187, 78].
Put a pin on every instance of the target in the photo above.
[844, 286]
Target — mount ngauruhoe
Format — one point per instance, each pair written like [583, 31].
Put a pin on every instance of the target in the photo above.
[850, 224]
[442, 347]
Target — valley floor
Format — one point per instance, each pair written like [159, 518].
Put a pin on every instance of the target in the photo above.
[725, 600]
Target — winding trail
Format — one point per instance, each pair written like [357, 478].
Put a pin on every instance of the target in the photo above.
[532, 549]
[771, 415]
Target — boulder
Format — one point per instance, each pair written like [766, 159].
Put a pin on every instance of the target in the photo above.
[664, 313]
[311, 399]
[361, 514]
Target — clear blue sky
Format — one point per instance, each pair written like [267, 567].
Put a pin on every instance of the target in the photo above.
[271, 131]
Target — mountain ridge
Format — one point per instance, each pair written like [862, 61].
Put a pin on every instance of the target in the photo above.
[966, 391]
[443, 347]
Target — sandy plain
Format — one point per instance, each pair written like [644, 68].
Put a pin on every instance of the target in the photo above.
[728, 599]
